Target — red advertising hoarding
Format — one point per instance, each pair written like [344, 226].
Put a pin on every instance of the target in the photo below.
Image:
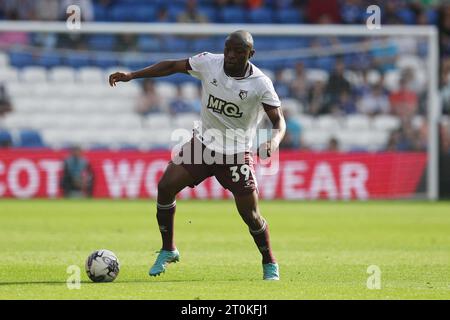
[298, 175]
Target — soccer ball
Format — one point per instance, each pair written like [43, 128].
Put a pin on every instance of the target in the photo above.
[102, 266]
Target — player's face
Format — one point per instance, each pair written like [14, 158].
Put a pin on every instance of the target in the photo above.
[236, 55]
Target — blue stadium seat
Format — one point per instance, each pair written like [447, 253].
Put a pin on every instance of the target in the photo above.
[101, 13]
[105, 60]
[5, 138]
[77, 60]
[176, 44]
[407, 16]
[261, 15]
[135, 12]
[148, 43]
[432, 16]
[104, 42]
[30, 139]
[210, 13]
[49, 59]
[289, 16]
[21, 59]
[206, 44]
[174, 11]
[233, 15]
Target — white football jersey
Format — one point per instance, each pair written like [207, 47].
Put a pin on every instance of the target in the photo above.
[231, 107]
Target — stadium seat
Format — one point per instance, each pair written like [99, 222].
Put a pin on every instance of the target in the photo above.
[392, 79]
[407, 16]
[305, 121]
[21, 59]
[260, 15]
[20, 89]
[5, 138]
[327, 123]
[103, 42]
[105, 60]
[288, 16]
[386, 123]
[34, 74]
[189, 91]
[314, 75]
[90, 75]
[174, 11]
[61, 75]
[4, 60]
[30, 139]
[133, 13]
[316, 139]
[357, 122]
[78, 60]
[176, 44]
[292, 105]
[185, 121]
[148, 43]
[49, 59]
[210, 13]
[233, 15]
[16, 120]
[158, 121]
[9, 75]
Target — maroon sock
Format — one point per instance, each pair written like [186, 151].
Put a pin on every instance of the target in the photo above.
[165, 215]
[262, 240]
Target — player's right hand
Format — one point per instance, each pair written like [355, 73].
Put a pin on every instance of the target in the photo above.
[119, 77]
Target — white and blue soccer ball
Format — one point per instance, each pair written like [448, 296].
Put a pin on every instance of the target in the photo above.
[102, 266]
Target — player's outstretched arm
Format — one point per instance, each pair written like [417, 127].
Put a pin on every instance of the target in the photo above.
[279, 129]
[160, 69]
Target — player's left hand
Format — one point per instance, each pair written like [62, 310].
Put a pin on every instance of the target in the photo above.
[265, 150]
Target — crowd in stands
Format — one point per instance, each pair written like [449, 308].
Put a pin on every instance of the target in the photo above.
[332, 93]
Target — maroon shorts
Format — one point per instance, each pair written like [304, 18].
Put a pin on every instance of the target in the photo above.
[234, 172]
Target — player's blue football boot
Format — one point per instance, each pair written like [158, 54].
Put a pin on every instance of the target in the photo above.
[271, 271]
[164, 258]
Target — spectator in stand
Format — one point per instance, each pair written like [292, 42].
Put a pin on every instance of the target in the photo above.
[333, 145]
[78, 177]
[316, 99]
[14, 37]
[404, 102]
[317, 9]
[375, 101]
[404, 139]
[179, 104]
[191, 14]
[48, 10]
[22, 10]
[444, 29]
[149, 101]
[336, 83]
[280, 85]
[299, 86]
[346, 104]
[352, 11]
[126, 42]
[254, 4]
[5, 104]
[445, 86]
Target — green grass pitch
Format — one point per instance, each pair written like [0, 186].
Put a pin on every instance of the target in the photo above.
[323, 248]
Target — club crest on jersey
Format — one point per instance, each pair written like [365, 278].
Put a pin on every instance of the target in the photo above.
[221, 106]
[243, 94]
